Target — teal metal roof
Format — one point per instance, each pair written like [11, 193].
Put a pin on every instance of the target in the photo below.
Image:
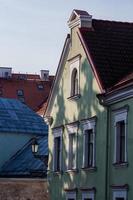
[24, 164]
[16, 117]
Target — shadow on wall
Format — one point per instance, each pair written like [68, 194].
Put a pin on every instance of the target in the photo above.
[87, 105]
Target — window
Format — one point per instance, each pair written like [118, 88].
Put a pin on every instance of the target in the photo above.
[57, 149]
[40, 86]
[120, 194]
[89, 146]
[74, 82]
[120, 131]
[72, 151]
[72, 146]
[20, 92]
[120, 136]
[74, 76]
[71, 196]
[88, 195]
[89, 143]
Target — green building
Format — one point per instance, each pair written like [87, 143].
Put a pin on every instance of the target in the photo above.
[90, 112]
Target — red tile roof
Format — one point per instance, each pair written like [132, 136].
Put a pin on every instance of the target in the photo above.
[35, 90]
[110, 45]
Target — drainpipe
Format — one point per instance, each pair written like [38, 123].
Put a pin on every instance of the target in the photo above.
[107, 157]
[101, 101]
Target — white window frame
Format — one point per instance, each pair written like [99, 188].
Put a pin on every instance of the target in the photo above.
[57, 132]
[72, 129]
[89, 124]
[88, 194]
[74, 64]
[120, 193]
[120, 115]
[71, 195]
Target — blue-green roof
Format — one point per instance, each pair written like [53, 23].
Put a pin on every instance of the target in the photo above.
[23, 163]
[16, 117]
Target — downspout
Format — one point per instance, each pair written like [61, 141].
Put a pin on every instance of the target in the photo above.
[101, 101]
[107, 157]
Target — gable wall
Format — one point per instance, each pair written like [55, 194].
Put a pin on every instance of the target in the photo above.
[65, 111]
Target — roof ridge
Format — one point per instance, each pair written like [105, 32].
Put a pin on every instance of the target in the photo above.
[113, 21]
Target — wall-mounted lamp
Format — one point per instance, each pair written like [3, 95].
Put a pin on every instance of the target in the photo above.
[35, 147]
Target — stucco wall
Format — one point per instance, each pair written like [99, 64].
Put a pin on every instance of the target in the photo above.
[65, 111]
[23, 189]
[121, 175]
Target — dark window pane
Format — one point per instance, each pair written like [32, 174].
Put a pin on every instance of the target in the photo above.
[120, 127]
[89, 148]
[74, 82]
[57, 153]
[20, 92]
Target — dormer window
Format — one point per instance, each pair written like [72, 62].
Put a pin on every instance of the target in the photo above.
[74, 77]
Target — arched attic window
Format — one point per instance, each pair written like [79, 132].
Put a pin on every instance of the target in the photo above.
[74, 82]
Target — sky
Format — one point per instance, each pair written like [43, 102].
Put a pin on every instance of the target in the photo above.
[32, 32]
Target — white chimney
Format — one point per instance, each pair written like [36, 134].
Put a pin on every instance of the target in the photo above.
[80, 18]
[5, 72]
[45, 75]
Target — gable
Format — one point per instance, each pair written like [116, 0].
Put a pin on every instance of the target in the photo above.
[63, 109]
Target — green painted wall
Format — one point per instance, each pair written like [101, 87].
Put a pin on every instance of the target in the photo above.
[65, 111]
[123, 174]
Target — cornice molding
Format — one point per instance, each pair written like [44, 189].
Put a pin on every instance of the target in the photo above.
[116, 96]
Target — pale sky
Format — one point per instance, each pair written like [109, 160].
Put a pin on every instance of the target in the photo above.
[32, 32]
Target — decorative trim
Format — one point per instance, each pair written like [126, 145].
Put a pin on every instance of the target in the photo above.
[72, 171]
[48, 120]
[57, 132]
[120, 187]
[70, 189]
[75, 97]
[89, 123]
[74, 58]
[89, 169]
[80, 20]
[120, 165]
[72, 127]
[87, 189]
[116, 96]
[58, 76]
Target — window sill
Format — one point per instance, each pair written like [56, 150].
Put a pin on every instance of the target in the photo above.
[57, 173]
[91, 169]
[72, 171]
[120, 165]
[75, 97]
